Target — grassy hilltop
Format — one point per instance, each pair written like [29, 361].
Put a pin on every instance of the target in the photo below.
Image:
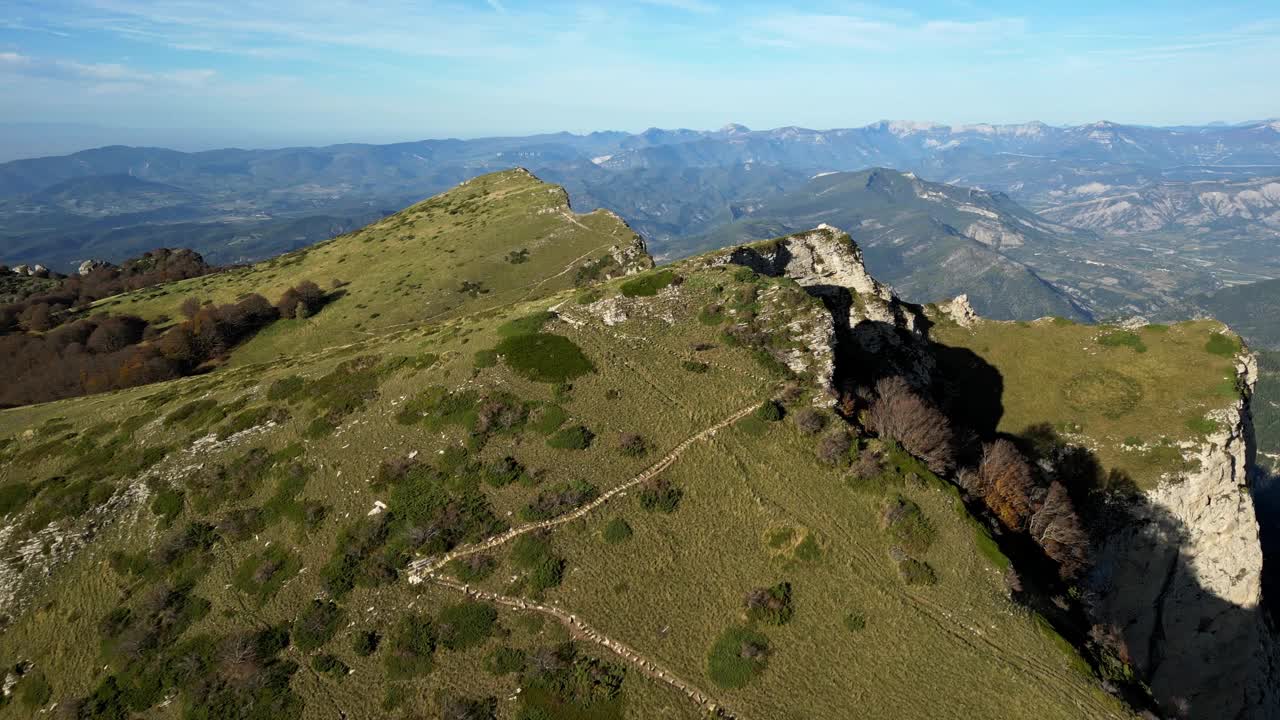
[243, 539]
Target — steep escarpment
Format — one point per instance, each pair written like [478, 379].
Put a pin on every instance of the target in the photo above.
[1182, 580]
[1175, 587]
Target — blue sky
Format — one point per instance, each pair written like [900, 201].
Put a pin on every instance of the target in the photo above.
[379, 70]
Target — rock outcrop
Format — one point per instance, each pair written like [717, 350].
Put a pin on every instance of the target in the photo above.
[868, 320]
[1181, 581]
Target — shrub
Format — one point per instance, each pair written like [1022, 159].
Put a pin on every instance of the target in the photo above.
[659, 495]
[769, 411]
[771, 605]
[34, 690]
[504, 660]
[289, 389]
[809, 420]
[712, 315]
[465, 625]
[526, 325]
[907, 525]
[167, 504]
[458, 708]
[542, 357]
[366, 642]
[901, 414]
[559, 500]
[473, 568]
[1223, 345]
[617, 531]
[577, 437]
[486, 359]
[532, 554]
[329, 665]
[632, 444]
[834, 447]
[1123, 338]
[738, 656]
[695, 366]
[648, 284]
[916, 572]
[855, 621]
[412, 647]
[316, 624]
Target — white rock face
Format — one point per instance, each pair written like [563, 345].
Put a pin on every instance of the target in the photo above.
[864, 311]
[1183, 581]
[961, 311]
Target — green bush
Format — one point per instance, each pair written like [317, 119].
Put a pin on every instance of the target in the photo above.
[1220, 344]
[167, 504]
[413, 647]
[465, 625]
[906, 523]
[771, 605]
[504, 660]
[486, 359]
[577, 437]
[329, 665]
[769, 411]
[366, 642]
[251, 418]
[34, 690]
[527, 325]
[532, 554]
[1123, 338]
[617, 531]
[659, 495]
[316, 624]
[473, 568]
[288, 389]
[916, 572]
[712, 315]
[542, 357]
[648, 284]
[855, 621]
[14, 496]
[547, 419]
[738, 656]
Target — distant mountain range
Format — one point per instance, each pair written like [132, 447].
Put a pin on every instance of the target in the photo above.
[1175, 211]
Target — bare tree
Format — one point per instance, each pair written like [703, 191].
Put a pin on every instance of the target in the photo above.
[1056, 527]
[898, 412]
[1005, 478]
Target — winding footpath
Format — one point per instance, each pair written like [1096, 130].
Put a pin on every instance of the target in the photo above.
[419, 569]
[426, 569]
[583, 631]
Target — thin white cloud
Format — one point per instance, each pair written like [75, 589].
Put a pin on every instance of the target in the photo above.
[102, 77]
[692, 6]
[797, 30]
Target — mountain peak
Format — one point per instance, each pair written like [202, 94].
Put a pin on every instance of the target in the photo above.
[735, 129]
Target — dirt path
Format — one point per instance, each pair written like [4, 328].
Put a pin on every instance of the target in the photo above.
[419, 569]
[583, 631]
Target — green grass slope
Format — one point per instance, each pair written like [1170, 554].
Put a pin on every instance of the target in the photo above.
[492, 241]
[610, 446]
[1132, 395]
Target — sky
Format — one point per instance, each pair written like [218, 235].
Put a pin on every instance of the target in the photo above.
[306, 72]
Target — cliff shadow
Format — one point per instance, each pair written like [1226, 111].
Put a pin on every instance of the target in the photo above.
[1147, 599]
[1266, 503]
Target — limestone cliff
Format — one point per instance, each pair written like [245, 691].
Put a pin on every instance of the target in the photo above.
[864, 312]
[1182, 582]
